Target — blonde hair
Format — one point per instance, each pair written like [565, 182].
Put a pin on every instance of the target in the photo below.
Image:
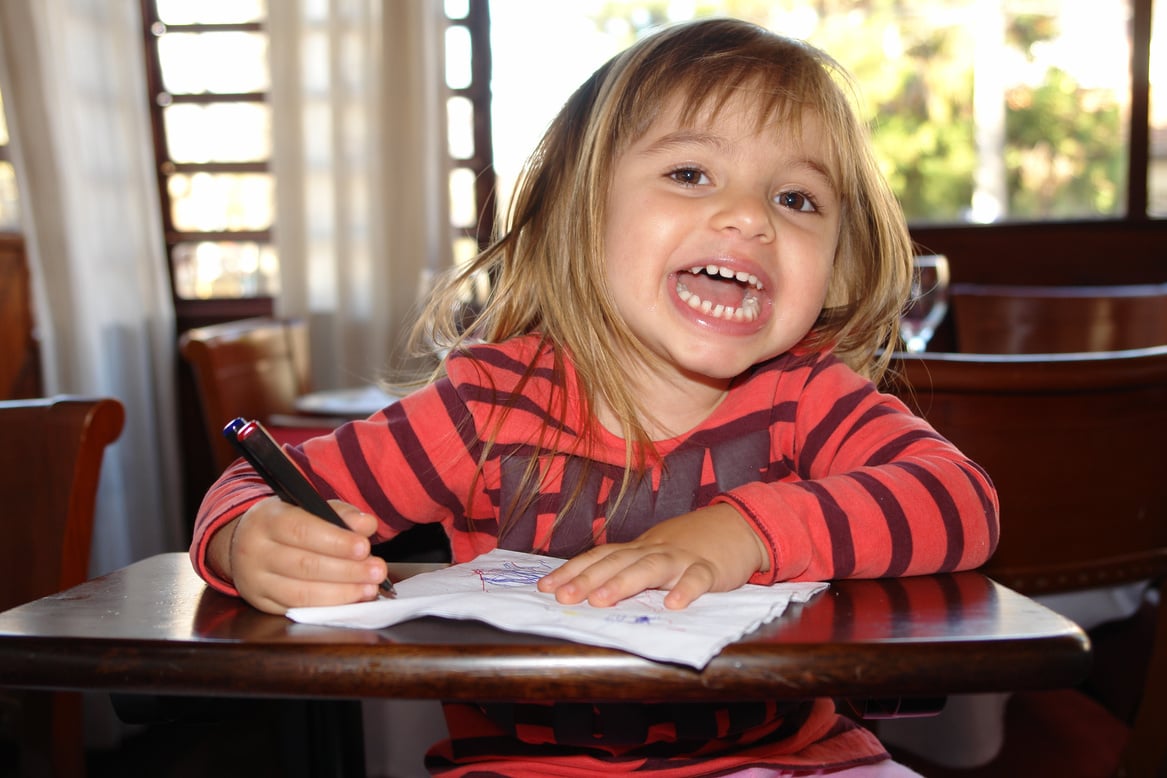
[547, 265]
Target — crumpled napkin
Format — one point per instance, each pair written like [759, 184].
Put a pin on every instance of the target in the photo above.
[499, 588]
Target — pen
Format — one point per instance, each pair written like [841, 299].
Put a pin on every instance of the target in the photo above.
[261, 451]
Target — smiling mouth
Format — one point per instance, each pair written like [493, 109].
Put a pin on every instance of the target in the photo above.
[720, 292]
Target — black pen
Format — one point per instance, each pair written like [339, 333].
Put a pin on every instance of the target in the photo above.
[261, 451]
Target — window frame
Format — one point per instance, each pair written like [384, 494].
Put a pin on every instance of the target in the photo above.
[191, 312]
[481, 164]
[1131, 248]
[1019, 252]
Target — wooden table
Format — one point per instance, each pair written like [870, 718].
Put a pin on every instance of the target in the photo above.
[154, 627]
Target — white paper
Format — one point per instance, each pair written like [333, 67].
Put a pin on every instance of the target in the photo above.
[499, 588]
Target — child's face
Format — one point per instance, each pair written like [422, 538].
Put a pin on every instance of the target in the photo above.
[753, 213]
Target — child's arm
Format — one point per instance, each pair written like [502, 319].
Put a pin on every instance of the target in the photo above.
[371, 465]
[875, 492]
[279, 556]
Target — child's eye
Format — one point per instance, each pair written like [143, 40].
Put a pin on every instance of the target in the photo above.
[690, 176]
[796, 201]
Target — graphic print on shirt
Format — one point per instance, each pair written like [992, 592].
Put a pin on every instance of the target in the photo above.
[689, 478]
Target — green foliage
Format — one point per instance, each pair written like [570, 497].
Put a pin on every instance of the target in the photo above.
[1064, 146]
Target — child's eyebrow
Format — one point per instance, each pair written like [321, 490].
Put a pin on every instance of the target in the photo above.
[674, 140]
[683, 138]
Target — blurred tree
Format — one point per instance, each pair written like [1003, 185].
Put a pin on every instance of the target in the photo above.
[1064, 146]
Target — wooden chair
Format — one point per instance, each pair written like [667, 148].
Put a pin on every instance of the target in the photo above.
[49, 468]
[1076, 445]
[1006, 319]
[253, 367]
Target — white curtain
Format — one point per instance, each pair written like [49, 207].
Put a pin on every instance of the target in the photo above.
[361, 164]
[74, 92]
[361, 202]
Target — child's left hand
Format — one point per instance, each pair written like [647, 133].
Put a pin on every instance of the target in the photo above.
[712, 549]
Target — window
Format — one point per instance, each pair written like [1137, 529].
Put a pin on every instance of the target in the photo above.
[468, 112]
[982, 113]
[1012, 112]
[1157, 108]
[207, 67]
[9, 201]
[209, 79]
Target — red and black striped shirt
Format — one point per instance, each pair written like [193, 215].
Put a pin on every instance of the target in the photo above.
[838, 480]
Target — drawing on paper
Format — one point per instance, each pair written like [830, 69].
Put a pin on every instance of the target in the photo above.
[511, 574]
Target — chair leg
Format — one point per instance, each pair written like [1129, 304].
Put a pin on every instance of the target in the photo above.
[49, 733]
[1146, 752]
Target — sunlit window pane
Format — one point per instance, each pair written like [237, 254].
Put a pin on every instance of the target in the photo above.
[221, 132]
[214, 202]
[459, 74]
[463, 202]
[1157, 172]
[211, 11]
[982, 112]
[460, 126]
[224, 270]
[9, 199]
[457, 9]
[222, 62]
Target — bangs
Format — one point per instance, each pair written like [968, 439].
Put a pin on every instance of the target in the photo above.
[784, 83]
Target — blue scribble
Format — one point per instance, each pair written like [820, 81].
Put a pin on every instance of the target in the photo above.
[511, 574]
[631, 618]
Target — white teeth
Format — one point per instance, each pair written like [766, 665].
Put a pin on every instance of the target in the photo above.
[724, 272]
[750, 307]
[748, 311]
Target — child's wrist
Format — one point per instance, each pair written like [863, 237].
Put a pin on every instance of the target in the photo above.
[220, 549]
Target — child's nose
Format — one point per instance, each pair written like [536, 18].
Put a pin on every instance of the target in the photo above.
[746, 213]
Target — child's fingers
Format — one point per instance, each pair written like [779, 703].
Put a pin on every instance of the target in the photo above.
[686, 578]
[282, 593]
[291, 577]
[288, 525]
[282, 556]
[696, 581]
[364, 524]
[573, 567]
[310, 567]
[626, 570]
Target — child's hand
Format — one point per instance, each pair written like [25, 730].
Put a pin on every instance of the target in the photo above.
[280, 556]
[709, 550]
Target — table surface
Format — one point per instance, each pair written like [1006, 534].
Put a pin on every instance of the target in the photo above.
[155, 627]
[355, 403]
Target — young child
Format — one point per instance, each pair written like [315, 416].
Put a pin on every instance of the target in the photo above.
[670, 385]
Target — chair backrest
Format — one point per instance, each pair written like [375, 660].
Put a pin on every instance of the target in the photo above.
[51, 451]
[50, 460]
[1007, 319]
[1076, 445]
[253, 367]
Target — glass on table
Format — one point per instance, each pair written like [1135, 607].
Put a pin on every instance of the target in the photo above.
[927, 303]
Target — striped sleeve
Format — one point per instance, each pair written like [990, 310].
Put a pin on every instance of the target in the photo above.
[876, 492]
[416, 461]
[412, 463]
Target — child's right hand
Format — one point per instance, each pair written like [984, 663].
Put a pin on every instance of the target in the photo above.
[280, 556]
